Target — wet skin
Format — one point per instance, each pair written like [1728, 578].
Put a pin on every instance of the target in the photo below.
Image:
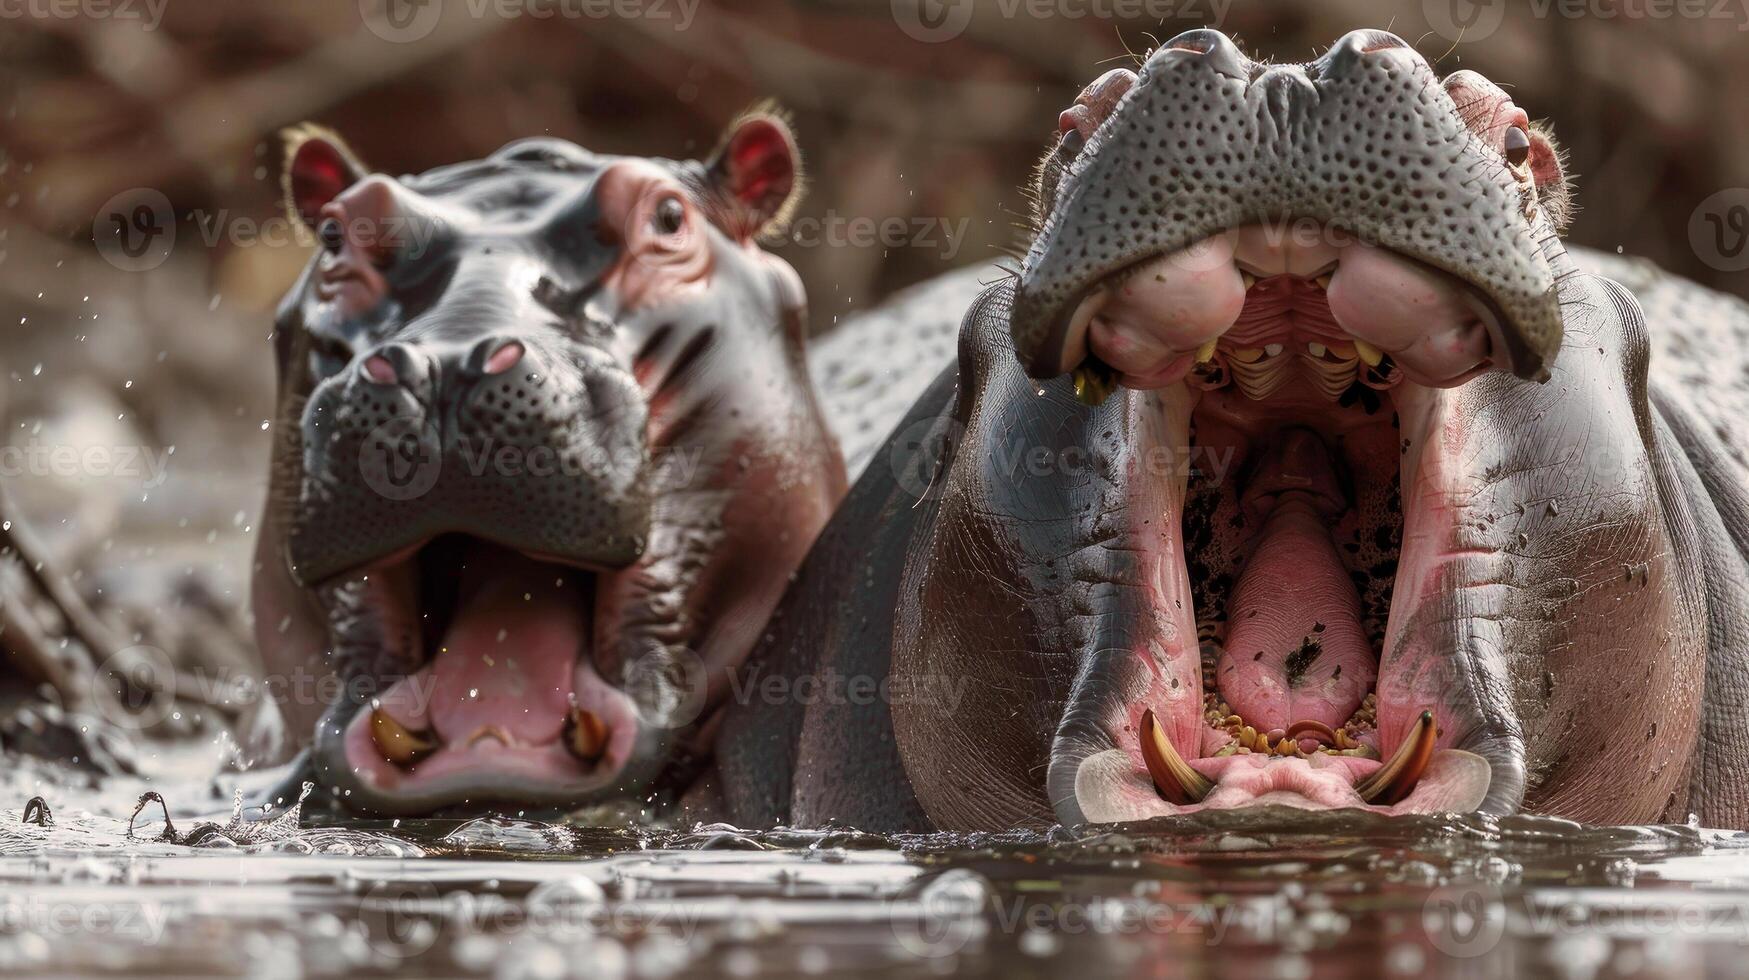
[548, 455]
[1439, 545]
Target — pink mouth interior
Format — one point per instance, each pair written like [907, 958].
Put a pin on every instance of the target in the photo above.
[510, 659]
[1290, 641]
[1291, 549]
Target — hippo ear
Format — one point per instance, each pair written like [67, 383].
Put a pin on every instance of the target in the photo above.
[318, 166]
[1554, 193]
[756, 175]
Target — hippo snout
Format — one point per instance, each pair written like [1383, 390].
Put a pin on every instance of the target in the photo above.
[490, 436]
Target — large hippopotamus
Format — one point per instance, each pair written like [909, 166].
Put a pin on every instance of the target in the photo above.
[547, 457]
[1298, 463]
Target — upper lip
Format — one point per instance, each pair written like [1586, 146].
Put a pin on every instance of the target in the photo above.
[1066, 259]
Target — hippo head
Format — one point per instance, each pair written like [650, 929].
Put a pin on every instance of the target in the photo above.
[1354, 462]
[546, 457]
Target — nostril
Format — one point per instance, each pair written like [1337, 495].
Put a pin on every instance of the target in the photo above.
[380, 370]
[1217, 50]
[1348, 53]
[1201, 41]
[504, 358]
[394, 364]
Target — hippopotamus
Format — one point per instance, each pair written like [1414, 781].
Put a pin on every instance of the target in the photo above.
[547, 455]
[1298, 463]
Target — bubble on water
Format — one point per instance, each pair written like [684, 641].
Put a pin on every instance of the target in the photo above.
[1405, 959]
[476, 952]
[537, 962]
[567, 905]
[1496, 870]
[1291, 967]
[1039, 943]
[1621, 872]
[1577, 956]
[1417, 873]
[813, 961]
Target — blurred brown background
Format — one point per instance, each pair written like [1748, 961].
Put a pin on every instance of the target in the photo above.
[920, 120]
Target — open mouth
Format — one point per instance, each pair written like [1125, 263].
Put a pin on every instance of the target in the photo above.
[1284, 558]
[505, 703]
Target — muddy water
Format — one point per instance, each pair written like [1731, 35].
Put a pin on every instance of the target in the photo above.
[1268, 893]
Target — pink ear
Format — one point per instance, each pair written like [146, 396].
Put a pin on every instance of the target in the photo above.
[318, 168]
[758, 172]
[1545, 161]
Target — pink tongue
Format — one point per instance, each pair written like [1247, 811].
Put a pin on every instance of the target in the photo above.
[511, 651]
[1295, 648]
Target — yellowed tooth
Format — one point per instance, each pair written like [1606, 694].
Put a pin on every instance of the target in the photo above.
[1173, 777]
[1316, 349]
[1248, 736]
[1368, 353]
[1094, 382]
[1393, 781]
[1206, 352]
[585, 734]
[399, 744]
[1249, 355]
[1247, 278]
[1324, 281]
[1286, 746]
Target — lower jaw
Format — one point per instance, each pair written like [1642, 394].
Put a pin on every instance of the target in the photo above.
[1233, 761]
[1108, 787]
[491, 718]
[489, 771]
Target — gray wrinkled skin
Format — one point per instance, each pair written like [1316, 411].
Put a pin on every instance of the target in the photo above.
[1690, 330]
[1575, 584]
[1364, 138]
[415, 461]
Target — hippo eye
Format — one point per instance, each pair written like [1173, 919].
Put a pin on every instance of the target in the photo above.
[1073, 141]
[670, 216]
[331, 235]
[1517, 146]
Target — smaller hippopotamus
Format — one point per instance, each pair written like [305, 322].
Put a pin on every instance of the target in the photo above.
[1300, 463]
[547, 456]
